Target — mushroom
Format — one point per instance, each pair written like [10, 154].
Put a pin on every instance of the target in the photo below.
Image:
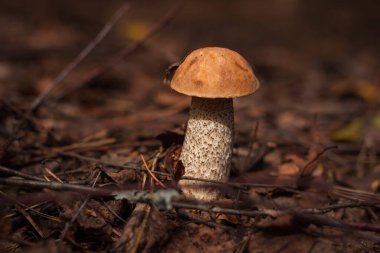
[213, 76]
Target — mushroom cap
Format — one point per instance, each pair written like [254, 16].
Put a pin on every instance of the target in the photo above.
[214, 72]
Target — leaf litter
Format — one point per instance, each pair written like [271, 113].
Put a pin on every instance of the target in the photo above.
[306, 153]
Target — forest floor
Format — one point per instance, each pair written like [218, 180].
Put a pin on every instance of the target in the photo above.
[76, 161]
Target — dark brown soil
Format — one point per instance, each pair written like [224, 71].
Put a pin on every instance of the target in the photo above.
[306, 164]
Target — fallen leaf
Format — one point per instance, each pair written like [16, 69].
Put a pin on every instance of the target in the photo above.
[376, 121]
[364, 89]
[288, 169]
[135, 29]
[351, 132]
[90, 212]
[375, 185]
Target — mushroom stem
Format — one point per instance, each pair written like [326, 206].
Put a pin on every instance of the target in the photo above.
[207, 149]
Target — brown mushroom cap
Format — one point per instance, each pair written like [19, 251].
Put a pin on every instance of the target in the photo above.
[214, 72]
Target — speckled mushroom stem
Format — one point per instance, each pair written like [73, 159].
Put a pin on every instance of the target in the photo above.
[207, 149]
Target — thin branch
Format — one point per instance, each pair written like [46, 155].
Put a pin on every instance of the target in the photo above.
[112, 211]
[329, 208]
[250, 145]
[82, 55]
[141, 229]
[304, 171]
[31, 221]
[38, 101]
[151, 174]
[68, 224]
[56, 186]
[19, 174]
[134, 166]
[216, 209]
[131, 166]
[325, 221]
[129, 49]
[168, 199]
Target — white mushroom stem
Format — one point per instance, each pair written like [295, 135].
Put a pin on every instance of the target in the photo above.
[207, 149]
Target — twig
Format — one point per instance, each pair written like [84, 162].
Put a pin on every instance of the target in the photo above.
[19, 174]
[38, 101]
[354, 194]
[250, 145]
[299, 214]
[324, 221]
[164, 21]
[242, 186]
[134, 222]
[56, 186]
[215, 209]
[154, 164]
[196, 220]
[30, 220]
[82, 55]
[151, 174]
[28, 208]
[131, 166]
[53, 175]
[304, 171]
[326, 209]
[16, 240]
[142, 228]
[107, 192]
[169, 199]
[134, 166]
[68, 224]
[112, 211]
[27, 118]
[365, 226]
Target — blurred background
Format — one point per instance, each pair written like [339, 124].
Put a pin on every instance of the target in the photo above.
[317, 61]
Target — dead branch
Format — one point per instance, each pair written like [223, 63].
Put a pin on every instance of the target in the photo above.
[167, 199]
[129, 49]
[75, 216]
[56, 186]
[329, 208]
[131, 166]
[19, 174]
[81, 56]
[324, 221]
[38, 101]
